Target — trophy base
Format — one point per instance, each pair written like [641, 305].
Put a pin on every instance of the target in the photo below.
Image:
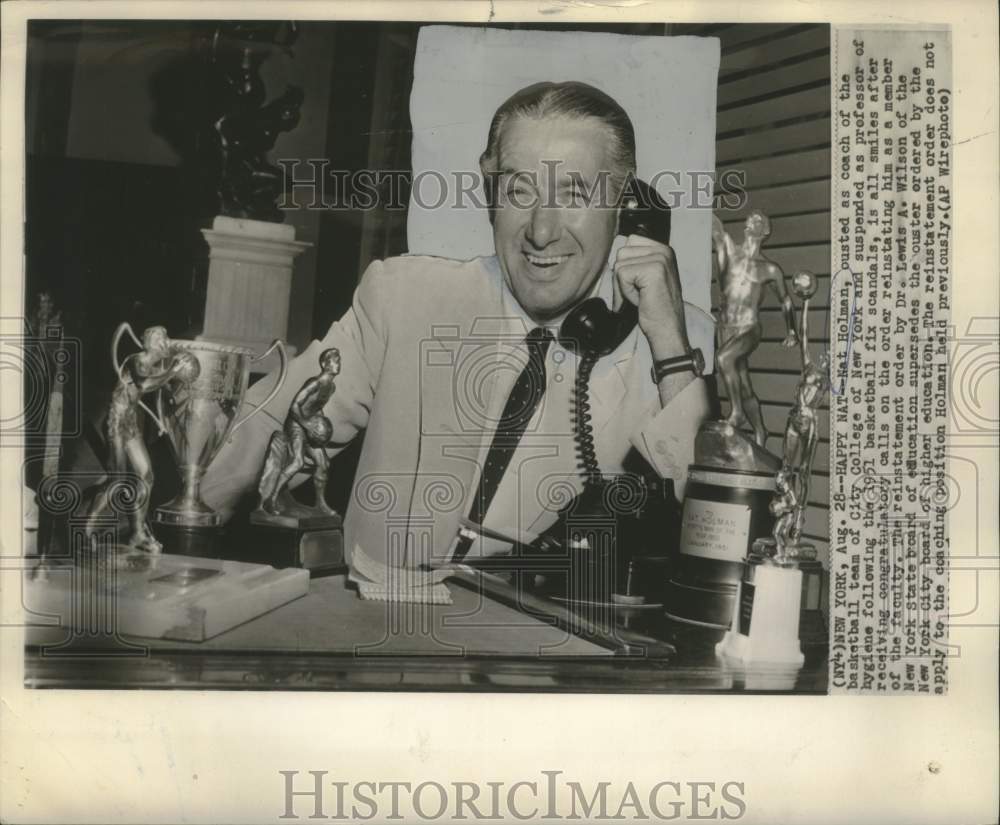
[791, 555]
[181, 540]
[765, 620]
[312, 541]
[709, 606]
[183, 514]
[304, 520]
[724, 510]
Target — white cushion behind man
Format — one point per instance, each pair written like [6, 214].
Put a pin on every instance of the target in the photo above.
[666, 84]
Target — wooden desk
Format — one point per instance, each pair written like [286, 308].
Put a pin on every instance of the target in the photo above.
[331, 640]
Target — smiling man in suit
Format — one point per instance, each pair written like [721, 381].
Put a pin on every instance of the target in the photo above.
[456, 371]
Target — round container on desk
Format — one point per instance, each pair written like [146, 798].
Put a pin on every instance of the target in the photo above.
[724, 512]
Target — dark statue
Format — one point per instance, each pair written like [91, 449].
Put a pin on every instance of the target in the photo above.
[248, 126]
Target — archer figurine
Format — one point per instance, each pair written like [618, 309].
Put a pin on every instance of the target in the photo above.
[138, 375]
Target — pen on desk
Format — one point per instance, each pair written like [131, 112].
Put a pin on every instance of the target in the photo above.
[481, 531]
[524, 537]
[623, 641]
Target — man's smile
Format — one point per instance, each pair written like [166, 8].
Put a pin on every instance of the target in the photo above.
[545, 261]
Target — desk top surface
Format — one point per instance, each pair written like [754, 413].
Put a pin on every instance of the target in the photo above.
[331, 618]
[332, 640]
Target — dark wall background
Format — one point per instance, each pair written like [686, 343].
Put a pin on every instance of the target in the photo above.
[115, 205]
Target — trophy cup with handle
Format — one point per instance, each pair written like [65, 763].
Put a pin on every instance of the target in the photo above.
[199, 416]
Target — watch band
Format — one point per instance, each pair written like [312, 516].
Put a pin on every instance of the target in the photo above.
[692, 360]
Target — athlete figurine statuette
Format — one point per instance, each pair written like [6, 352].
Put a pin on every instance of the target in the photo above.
[300, 443]
[742, 272]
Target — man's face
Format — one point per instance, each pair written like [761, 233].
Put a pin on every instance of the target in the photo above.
[552, 244]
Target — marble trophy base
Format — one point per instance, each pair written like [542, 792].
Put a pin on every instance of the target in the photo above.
[159, 596]
[299, 536]
[766, 612]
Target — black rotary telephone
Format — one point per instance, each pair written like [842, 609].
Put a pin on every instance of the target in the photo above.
[593, 330]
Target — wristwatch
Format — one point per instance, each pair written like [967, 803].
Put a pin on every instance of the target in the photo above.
[691, 360]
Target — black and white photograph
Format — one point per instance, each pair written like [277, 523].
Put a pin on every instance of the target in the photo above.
[575, 409]
[429, 357]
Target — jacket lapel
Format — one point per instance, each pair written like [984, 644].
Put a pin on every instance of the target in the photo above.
[457, 396]
[609, 384]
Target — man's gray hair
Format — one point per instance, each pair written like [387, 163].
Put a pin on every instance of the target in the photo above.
[568, 99]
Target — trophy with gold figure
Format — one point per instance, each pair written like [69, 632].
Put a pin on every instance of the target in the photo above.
[765, 621]
[732, 479]
[199, 388]
[156, 365]
[290, 533]
[119, 580]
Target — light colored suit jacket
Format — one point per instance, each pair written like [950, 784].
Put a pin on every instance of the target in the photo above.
[420, 348]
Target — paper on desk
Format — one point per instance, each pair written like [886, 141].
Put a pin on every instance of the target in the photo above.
[379, 582]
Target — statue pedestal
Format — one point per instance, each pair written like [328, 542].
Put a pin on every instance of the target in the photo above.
[249, 283]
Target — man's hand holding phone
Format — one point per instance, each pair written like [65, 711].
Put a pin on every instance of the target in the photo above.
[646, 275]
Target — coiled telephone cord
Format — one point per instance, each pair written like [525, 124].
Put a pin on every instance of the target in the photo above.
[582, 425]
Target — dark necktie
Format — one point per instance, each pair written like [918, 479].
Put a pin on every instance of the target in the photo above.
[524, 398]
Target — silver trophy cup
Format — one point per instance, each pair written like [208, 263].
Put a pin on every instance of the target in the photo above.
[200, 416]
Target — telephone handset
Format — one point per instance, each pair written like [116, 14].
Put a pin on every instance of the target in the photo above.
[593, 330]
[593, 326]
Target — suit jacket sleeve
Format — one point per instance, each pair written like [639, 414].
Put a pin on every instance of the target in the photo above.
[361, 337]
[666, 440]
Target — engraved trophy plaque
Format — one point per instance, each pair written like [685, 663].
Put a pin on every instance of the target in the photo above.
[200, 416]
